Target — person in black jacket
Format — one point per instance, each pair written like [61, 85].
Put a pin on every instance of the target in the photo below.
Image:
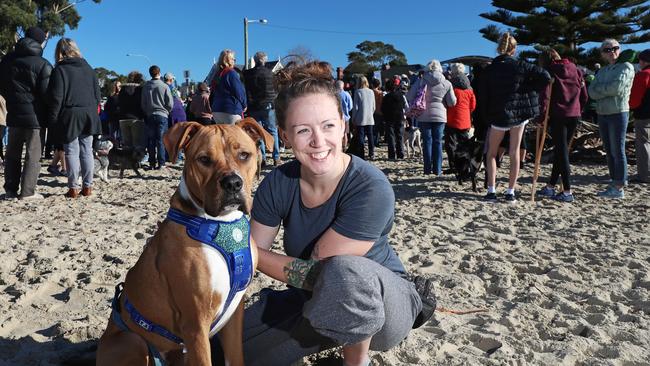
[508, 92]
[112, 109]
[73, 97]
[393, 106]
[131, 116]
[24, 76]
[260, 94]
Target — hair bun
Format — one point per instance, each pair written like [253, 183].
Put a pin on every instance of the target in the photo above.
[315, 71]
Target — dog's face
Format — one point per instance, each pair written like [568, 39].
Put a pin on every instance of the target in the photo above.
[104, 147]
[220, 162]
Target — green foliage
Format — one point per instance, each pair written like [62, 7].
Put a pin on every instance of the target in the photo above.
[51, 15]
[372, 55]
[107, 79]
[566, 25]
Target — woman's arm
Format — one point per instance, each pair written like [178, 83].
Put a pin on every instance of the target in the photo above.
[600, 90]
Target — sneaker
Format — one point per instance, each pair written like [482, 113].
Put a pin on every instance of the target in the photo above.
[491, 197]
[424, 287]
[546, 192]
[11, 195]
[612, 192]
[35, 196]
[563, 197]
[510, 197]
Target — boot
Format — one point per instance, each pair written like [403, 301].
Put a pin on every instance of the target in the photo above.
[72, 193]
[86, 191]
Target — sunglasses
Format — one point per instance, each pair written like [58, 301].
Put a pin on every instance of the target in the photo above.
[610, 49]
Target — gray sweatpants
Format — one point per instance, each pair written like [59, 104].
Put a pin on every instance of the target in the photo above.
[354, 298]
[642, 142]
[15, 173]
[225, 118]
[79, 158]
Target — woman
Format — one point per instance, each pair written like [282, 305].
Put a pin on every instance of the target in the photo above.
[363, 108]
[131, 116]
[459, 116]
[568, 97]
[611, 91]
[439, 95]
[229, 100]
[177, 113]
[346, 284]
[200, 106]
[112, 109]
[509, 91]
[72, 113]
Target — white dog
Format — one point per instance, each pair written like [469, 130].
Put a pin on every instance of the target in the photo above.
[412, 140]
[102, 148]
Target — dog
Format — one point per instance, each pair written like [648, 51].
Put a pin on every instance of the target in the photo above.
[467, 155]
[101, 151]
[127, 158]
[190, 279]
[412, 140]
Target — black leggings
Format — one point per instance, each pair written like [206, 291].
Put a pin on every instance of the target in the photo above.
[562, 130]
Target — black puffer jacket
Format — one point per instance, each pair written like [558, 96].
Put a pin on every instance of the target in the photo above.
[73, 97]
[259, 87]
[24, 75]
[508, 91]
[129, 101]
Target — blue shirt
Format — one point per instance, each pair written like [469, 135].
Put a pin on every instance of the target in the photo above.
[346, 104]
[230, 95]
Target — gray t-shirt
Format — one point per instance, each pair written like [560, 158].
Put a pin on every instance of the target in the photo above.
[362, 208]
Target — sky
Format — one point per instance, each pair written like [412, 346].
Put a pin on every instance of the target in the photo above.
[189, 35]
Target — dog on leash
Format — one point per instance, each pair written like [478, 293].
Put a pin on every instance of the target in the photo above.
[127, 158]
[412, 140]
[467, 155]
[189, 281]
[102, 149]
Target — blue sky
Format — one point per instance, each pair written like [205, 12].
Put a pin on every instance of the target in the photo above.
[188, 35]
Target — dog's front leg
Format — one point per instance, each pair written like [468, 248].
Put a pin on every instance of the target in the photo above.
[231, 338]
[197, 343]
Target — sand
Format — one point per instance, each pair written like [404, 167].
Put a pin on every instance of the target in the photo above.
[563, 284]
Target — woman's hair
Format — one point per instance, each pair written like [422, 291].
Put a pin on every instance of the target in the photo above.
[226, 59]
[294, 82]
[434, 65]
[116, 87]
[609, 42]
[135, 77]
[363, 82]
[456, 68]
[203, 87]
[507, 44]
[548, 56]
[375, 83]
[66, 48]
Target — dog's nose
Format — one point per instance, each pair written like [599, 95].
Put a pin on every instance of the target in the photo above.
[232, 183]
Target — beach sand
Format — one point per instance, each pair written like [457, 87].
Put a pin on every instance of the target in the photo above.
[563, 284]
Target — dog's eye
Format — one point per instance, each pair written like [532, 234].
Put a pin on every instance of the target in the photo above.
[205, 160]
[244, 155]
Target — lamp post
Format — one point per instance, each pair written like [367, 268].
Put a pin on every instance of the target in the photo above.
[139, 55]
[246, 21]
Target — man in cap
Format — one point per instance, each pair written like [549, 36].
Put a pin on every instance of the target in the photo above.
[640, 104]
[24, 77]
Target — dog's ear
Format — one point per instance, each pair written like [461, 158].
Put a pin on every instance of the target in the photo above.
[256, 132]
[178, 137]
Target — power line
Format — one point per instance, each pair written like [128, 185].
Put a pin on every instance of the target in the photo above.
[370, 33]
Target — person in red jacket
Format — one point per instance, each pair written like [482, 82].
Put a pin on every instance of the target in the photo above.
[568, 98]
[640, 105]
[459, 116]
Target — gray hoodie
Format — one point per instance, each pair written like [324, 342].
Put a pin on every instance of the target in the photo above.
[440, 94]
[156, 98]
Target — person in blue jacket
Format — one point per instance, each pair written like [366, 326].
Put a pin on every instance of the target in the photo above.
[229, 100]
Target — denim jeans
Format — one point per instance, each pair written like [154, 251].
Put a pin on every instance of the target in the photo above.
[612, 130]
[79, 158]
[363, 132]
[432, 136]
[156, 128]
[266, 117]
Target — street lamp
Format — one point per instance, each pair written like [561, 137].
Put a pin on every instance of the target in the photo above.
[138, 55]
[246, 21]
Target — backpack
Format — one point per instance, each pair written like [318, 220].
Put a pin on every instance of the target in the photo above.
[418, 105]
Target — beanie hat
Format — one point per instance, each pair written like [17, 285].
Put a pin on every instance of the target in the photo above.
[36, 34]
[645, 55]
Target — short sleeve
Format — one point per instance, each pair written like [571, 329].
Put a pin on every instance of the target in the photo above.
[367, 208]
[270, 201]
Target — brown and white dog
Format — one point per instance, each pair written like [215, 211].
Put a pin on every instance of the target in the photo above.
[181, 284]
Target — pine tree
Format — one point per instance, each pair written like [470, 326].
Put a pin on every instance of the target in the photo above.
[372, 55]
[567, 25]
[51, 15]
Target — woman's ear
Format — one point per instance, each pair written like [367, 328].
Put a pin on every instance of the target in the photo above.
[285, 138]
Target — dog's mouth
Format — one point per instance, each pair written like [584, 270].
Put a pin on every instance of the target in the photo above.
[228, 204]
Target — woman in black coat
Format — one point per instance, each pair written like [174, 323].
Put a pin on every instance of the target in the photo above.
[74, 98]
[508, 92]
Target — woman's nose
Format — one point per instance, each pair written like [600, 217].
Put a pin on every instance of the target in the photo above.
[317, 138]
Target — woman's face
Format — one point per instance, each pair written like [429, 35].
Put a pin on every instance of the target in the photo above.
[314, 129]
[610, 53]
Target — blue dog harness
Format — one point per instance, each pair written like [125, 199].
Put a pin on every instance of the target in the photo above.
[231, 239]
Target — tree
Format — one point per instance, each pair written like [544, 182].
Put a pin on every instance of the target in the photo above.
[372, 55]
[107, 79]
[566, 25]
[298, 55]
[51, 15]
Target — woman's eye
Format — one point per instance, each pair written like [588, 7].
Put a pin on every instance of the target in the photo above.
[244, 155]
[304, 130]
[329, 125]
[205, 160]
